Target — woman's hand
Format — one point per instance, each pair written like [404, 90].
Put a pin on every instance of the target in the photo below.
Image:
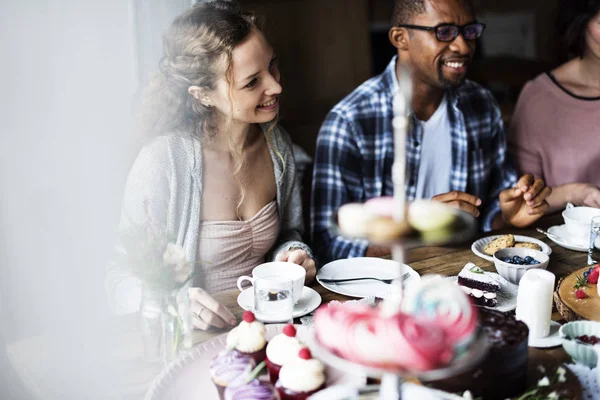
[300, 257]
[208, 312]
[526, 202]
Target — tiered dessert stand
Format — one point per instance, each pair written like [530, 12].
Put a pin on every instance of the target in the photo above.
[461, 230]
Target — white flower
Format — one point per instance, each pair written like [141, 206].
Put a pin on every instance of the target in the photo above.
[560, 371]
[544, 381]
[174, 255]
[553, 396]
[467, 395]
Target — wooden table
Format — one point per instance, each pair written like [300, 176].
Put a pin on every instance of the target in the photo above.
[32, 358]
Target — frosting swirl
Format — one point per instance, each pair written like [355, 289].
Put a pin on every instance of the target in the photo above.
[399, 341]
[282, 348]
[254, 390]
[302, 375]
[247, 337]
[442, 303]
[229, 365]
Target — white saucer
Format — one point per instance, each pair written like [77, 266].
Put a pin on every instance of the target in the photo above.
[308, 302]
[552, 340]
[565, 241]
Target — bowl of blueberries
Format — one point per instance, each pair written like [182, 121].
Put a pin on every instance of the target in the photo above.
[512, 262]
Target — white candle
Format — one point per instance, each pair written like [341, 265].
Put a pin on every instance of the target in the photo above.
[534, 301]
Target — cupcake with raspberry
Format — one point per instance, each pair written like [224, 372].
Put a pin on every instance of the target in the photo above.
[250, 387]
[282, 349]
[300, 378]
[249, 338]
[229, 366]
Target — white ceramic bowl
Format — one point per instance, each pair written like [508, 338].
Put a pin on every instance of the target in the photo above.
[580, 352]
[578, 220]
[514, 272]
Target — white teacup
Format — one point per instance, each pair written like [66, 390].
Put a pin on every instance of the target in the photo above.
[578, 221]
[280, 269]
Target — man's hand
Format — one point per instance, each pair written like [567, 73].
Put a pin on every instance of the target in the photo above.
[301, 258]
[526, 202]
[461, 200]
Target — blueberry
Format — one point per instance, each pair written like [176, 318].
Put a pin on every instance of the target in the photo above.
[507, 259]
[585, 274]
[517, 260]
[527, 259]
[533, 262]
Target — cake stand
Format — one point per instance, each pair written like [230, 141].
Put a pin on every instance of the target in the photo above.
[462, 229]
[392, 379]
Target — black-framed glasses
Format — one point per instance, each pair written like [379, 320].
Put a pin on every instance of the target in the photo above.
[449, 32]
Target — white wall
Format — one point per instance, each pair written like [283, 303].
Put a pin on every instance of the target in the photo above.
[67, 75]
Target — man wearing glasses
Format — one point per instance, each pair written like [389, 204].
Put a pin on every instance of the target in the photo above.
[455, 149]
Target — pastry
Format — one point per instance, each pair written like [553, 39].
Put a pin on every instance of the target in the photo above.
[430, 216]
[440, 302]
[365, 335]
[227, 367]
[249, 338]
[352, 220]
[436, 323]
[499, 243]
[282, 349]
[385, 229]
[478, 284]
[529, 245]
[250, 387]
[301, 377]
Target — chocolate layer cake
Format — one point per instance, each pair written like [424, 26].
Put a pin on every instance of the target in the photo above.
[479, 285]
[474, 277]
[503, 373]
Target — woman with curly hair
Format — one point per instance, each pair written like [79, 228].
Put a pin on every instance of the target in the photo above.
[215, 168]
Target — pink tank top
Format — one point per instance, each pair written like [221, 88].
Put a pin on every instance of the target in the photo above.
[230, 249]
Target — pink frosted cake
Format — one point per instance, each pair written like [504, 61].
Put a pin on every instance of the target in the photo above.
[282, 349]
[249, 338]
[436, 323]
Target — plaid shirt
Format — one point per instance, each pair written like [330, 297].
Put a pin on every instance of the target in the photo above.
[355, 152]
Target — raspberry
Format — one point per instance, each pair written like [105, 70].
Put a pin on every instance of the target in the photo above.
[289, 330]
[580, 294]
[304, 353]
[593, 277]
[248, 317]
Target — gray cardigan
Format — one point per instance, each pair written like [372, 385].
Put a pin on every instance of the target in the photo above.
[165, 182]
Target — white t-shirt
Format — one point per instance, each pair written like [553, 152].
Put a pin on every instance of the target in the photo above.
[436, 154]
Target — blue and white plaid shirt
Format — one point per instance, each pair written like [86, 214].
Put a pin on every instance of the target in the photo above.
[355, 152]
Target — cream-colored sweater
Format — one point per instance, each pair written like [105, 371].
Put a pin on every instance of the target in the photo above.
[165, 182]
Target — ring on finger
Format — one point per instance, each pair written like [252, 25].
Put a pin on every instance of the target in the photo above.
[199, 312]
